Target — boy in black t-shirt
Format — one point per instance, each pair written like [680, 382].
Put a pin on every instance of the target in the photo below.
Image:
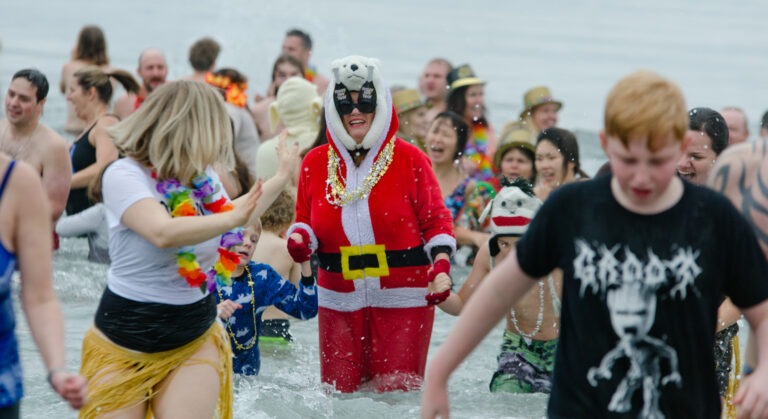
[645, 259]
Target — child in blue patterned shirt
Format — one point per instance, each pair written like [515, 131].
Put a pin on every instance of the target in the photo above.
[256, 286]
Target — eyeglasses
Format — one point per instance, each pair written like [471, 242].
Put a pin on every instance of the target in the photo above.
[366, 100]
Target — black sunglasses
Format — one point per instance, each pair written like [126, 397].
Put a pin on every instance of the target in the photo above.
[366, 100]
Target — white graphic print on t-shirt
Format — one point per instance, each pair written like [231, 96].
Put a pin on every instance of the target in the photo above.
[629, 286]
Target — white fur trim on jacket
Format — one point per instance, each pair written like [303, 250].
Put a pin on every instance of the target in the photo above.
[308, 229]
[440, 240]
[353, 79]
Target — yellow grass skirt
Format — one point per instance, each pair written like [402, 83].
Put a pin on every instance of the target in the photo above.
[132, 377]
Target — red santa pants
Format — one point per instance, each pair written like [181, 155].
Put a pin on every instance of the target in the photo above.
[380, 349]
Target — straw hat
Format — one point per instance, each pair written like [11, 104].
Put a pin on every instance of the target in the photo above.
[536, 96]
[461, 76]
[406, 100]
[516, 137]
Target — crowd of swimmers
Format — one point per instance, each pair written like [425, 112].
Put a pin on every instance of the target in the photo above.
[275, 178]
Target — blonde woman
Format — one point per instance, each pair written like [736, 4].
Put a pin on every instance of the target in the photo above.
[155, 347]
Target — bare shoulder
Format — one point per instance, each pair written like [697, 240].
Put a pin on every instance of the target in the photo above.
[739, 167]
[51, 140]
[124, 105]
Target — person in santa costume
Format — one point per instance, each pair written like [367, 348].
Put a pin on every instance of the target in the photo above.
[370, 206]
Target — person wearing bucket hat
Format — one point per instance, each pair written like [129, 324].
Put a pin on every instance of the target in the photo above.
[539, 111]
[297, 108]
[515, 155]
[466, 98]
[412, 113]
[375, 282]
[527, 356]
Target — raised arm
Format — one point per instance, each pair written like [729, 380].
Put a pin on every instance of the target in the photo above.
[151, 220]
[504, 286]
[289, 161]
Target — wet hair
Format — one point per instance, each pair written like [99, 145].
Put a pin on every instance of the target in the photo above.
[459, 126]
[37, 79]
[709, 121]
[457, 102]
[203, 54]
[181, 129]
[565, 142]
[306, 40]
[280, 215]
[646, 105]
[92, 76]
[91, 46]
[285, 58]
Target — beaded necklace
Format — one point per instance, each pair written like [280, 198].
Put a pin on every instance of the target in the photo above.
[255, 337]
[181, 202]
[540, 315]
[336, 191]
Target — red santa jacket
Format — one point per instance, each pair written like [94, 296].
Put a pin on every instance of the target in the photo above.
[384, 238]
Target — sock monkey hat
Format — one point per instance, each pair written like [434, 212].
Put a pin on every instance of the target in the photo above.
[358, 74]
[511, 211]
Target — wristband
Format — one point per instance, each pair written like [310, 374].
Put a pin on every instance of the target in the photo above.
[308, 280]
[53, 371]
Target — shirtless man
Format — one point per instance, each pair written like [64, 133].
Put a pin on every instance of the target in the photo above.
[23, 137]
[297, 43]
[153, 71]
[433, 86]
[739, 173]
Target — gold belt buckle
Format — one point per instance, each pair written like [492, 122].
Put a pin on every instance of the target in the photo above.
[366, 249]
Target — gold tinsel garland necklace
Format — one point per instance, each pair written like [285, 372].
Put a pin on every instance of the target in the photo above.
[336, 190]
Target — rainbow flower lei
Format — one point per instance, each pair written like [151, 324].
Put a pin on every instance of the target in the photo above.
[182, 202]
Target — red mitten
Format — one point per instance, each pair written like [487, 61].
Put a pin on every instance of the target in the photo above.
[441, 266]
[299, 251]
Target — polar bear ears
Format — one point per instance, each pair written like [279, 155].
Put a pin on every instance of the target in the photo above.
[348, 70]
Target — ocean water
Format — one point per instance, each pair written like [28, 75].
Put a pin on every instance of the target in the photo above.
[715, 50]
